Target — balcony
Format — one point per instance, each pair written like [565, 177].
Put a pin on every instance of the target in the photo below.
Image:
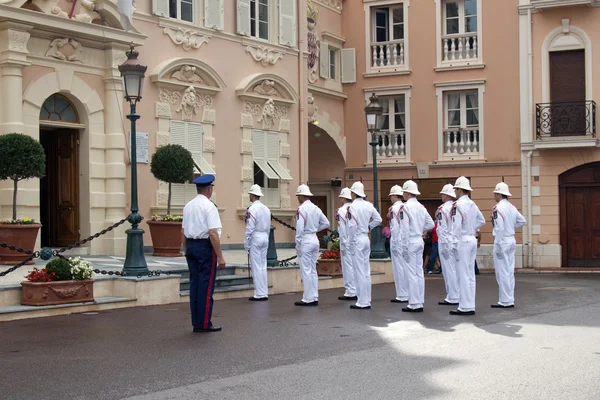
[461, 144]
[565, 119]
[387, 54]
[392, 146]
[460, 48]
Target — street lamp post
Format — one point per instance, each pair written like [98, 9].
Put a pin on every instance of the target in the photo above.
[374, 114]
[133, 79]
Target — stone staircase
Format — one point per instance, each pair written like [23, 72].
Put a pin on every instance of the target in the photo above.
[226, 281]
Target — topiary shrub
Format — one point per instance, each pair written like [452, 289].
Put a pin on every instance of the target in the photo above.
[62, 269]
[21, 157]
[172, 164]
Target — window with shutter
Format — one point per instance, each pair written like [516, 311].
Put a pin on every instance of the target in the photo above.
[287, 22]
[260, 155]
[265, 152]
[324, 60]
[348, 65]
[243, 17]
[273, 157]
[214, 14]
[160, 7]
[176, 9]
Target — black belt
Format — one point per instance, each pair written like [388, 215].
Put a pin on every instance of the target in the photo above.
[198, 240]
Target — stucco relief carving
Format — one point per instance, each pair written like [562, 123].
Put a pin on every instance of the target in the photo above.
[313, 109]
[190, 101]
[187, 73]
[267, 116]
[336, 4]
[313, 76]
[267, 88]
[264, 55]
[163, 139]
[252, 108]
[17, 40]
[246, 146]
[209, 145]
[209, 116]
[281, 112]
[186, 38]
[162, 197]
[57, 51]
[247, 174]
[247, 121]
[284, 125]
[163, 110]
[169, 96]
[118, 58]
[284, 150]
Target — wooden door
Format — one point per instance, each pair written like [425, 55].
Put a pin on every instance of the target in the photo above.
[61, 187]
[321, 202]
[567, 87]
[583, 227]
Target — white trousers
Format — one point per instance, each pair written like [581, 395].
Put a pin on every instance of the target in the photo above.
[465, 267]
[399, 271]
[258, 261]
[449, 272]
[348, 272]
[307, 255]
[414, 274]
[504, 263]
[362, 270]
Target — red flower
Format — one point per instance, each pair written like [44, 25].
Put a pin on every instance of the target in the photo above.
[330, 255]
[42, 275]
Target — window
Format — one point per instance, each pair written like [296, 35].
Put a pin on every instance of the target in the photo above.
[267, 169]
[332, 63]
[392, 137]
[255, 18]
[259, 19]
[461, 135]
[182, 10]
[58, 108]
[460, 30]
[388, 32]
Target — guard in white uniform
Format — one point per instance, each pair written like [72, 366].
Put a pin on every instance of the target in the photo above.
[309, 220]
[256, 242]
[506, 219]
[398, 262]
[362, 217]
[345, 248]
[444, 232]
[466, 220]
[414, 222]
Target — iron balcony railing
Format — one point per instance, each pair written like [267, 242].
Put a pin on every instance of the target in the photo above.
[560, 119]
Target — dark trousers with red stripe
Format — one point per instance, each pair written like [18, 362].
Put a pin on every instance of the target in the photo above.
[202, 263]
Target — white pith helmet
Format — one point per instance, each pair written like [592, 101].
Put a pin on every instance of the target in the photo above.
[345, 194]
[396, 190]
[303, 190]
[502, 188]
[411, 187]
[448, 190]
[255, 190]
[463, 183]
[358, 189]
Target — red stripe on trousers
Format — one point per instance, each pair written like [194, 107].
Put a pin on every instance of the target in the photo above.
[208, 291]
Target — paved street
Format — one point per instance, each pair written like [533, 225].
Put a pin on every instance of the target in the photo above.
[546, 348]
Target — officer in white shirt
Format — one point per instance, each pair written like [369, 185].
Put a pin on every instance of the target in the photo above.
[466, 220]
[506, 219]
[398, 262]
[345, 248]
[362, 217]
[256, 242]
[414, 222]
[202, 247]
[444, 232]
[309, 220]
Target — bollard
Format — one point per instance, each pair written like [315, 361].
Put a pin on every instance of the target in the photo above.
[272, 250]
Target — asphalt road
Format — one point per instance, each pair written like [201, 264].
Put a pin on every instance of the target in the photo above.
[546, 348]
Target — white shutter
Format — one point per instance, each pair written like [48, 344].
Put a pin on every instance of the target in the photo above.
[243, 17]
[287, 22]
[259, 154]
[178, 195]
[160, 7]
[273, 157]
[324, 61]
[272, 198]
[194, 145]
[214, 14]
[348, 65]
[177, 131]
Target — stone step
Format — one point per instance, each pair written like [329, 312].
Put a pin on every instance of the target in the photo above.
[223, 289]
[185, 273]
[221, 281]
[98, 300]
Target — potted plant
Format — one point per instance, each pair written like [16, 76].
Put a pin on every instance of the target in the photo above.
[21, 157]
[330, 263]
[60, 282]
[172, 164]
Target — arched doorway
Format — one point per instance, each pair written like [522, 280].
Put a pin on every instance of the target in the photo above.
[580, 216]
[59, 188]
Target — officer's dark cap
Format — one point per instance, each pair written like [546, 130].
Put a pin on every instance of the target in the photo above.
[204, 180]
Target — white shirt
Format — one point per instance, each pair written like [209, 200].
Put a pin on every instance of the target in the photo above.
[444, 221]
[342, 220]
[394, 220]
[310, 219]
[362, 217]
[466, 218]
[414, 219]
[258, 219]
[200, 215]
[506, 219]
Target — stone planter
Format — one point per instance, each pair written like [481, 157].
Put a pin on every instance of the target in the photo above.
[329, 267]
[60, 292]
[166, 238]
[22, 236]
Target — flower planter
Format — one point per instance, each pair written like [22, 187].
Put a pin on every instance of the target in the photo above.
[166, 238]
[59, 292]
[22, 236]
[329, 267]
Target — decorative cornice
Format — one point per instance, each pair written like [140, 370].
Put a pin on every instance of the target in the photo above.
[335, 5]
[265, 55]
[188, 39]
[334, 94]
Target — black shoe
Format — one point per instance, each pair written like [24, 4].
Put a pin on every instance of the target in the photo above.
[398, 301]
[458, 312]
[445, 303]
[348, 298]
[407, 309]
[209, 329]
[258, 298]
[355, 307]
[501, 306]
[303, 304]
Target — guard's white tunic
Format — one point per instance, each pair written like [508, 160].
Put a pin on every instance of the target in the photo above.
[444, 232]
[362, 217]
[199, 215]
[398, 262]
[506, 219]
[466, 220]
[414, 222]
[256, 243]
[346, 251]
[309, 220]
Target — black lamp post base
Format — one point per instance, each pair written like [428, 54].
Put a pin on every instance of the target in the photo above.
[377, 244]
[272, 250]
[135, 262]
